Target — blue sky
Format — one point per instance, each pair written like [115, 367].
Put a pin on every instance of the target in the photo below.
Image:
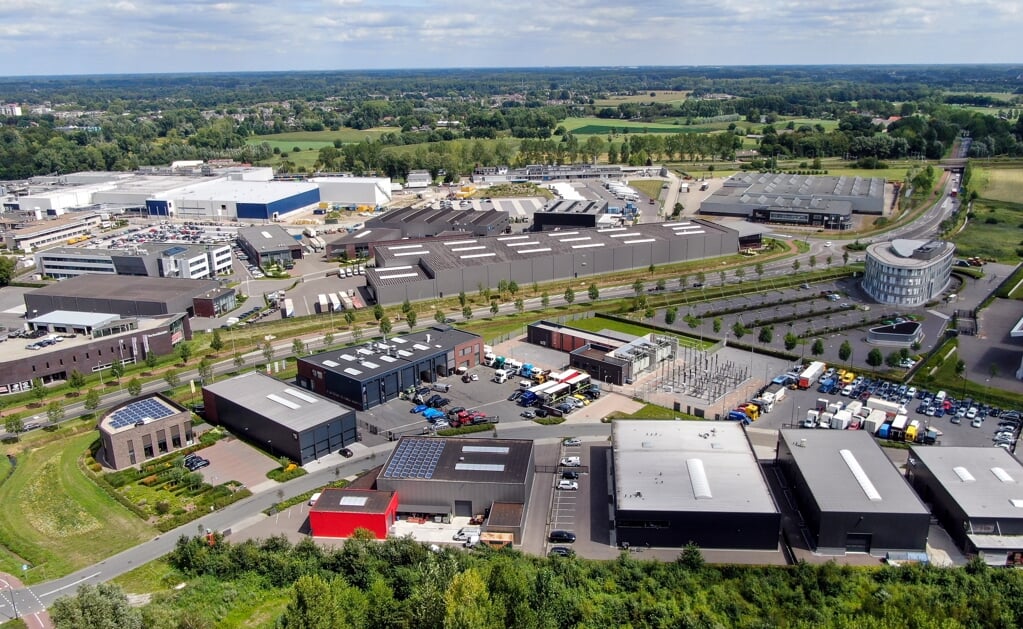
[88, 36]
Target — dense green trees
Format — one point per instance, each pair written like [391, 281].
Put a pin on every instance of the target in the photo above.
[401, 583]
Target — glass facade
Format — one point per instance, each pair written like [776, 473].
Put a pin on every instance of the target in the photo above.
[906, 281]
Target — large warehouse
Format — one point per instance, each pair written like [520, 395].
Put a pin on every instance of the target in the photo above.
[677, 482]
[908, 272]
[977, 495]
[369, 375]
[430, 221]
[427, 269]
[459, 477]
[283, 419]
[143, 429]
[129, 296]
[825, 202]
[567, 214]
[232, 199]
[850, 494]
[354, 191]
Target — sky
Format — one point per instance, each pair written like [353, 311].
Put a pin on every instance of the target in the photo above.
[40, 37]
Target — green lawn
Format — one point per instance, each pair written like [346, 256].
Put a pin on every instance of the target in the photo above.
[602, 126]
[56, 519]
[999, 239]
[999, 184]
[319, 139]
[155, 576]
[596, 324]
[664, 96]
[649, 187]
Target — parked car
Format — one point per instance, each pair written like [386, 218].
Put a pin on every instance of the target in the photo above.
[572, 441]
[516, 394]
[419, 408]
[977, 422]
[346, 452]
[439, 402]
[571, 461]
[561, 551]
[570, 475]
[528, 414]
[561, 537]
[432, 414]
[568, 484]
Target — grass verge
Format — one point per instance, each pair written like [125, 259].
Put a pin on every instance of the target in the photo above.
[57, 520]
[994, 232]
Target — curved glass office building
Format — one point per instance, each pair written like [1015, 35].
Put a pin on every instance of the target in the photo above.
[908, 272]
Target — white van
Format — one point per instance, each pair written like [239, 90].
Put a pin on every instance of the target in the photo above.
[466, 532]
[314, 498]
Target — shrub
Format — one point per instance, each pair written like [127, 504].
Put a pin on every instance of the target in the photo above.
[163, 507]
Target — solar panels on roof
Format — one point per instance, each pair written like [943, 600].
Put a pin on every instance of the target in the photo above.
[414, 458]
[173, 251]
[148, 409]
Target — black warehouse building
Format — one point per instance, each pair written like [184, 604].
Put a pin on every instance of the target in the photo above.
[369, 375]
[690, 481]
[852, 497]
[283, 419]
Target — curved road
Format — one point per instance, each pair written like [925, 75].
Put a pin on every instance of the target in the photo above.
[34, 599]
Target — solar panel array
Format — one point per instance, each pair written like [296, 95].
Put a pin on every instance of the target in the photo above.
[142, 410]
[415, 458]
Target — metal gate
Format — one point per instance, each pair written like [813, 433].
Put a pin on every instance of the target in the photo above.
[463, 508]
[857, 542]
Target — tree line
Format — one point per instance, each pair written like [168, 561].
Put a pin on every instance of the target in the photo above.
[399, 583]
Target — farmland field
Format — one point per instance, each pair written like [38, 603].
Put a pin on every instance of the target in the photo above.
[57, 520]
[999, 184]
[667, 96]
[318, 139]
[601, 126]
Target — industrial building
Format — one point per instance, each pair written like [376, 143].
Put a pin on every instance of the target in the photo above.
[129, 296]
[824, 202]
[31, 236]
[269, 244]
[562, 214]
[339, 512]
[352, 192]
[233, 199]
[977, 496]
[285, 420]
[908, 272]
[371, 374]
[142, 429]
[543, 172]
[608, 359]
[424, 222]
[677, 482]
[428, 269]
[850, 494]
[418, 179]
[89, 342]
[459, 477]
[154, 259]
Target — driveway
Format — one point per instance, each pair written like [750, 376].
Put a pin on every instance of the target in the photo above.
[233, 459]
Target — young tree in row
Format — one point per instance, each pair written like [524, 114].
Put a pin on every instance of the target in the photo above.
[569, 295]
[520, 305]
[844, 350]
[91, 400]
[545, 300]
[385, 326]
[76, 381]
[205, 369]
[378, 312]
[297, 347]
[216, 343]
[466, 313]
[594, 292]
[875, 358]
[151, 360]
[172, 378]
[439, 316]
[410, 318]
[818, 347]
[494, 308]
[134, 387]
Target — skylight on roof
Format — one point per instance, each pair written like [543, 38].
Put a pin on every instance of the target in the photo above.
[460, 242]
[1002, 475]
[574, 239]
[353, 501]
[473, 248]
[592, 244]
[400, 247]
[352, 372]
[397, 276]
[477, 255]
[283, 402]
[330, 363]
[534, 250]
[487, 449]
[305, 397]
[698, 479]
[523, 244]
[479, 467]
[963, 474]
[860, 475]
[641, 240]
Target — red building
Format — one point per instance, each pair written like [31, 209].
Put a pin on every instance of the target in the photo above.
[338, 512]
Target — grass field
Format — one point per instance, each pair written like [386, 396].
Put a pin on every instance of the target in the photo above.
[601, 126]
[596, 324]
[649, 187]
[318, 139]
[999, 239]
[999, 184]
[667, 96]
[55, 519]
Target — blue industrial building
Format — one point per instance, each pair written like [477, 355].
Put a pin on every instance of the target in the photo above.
[244, 200]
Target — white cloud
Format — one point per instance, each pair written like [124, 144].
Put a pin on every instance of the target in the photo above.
[155, 35]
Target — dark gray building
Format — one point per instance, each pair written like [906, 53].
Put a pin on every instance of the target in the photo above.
[977, 495]
[283, 419]
[268, 244]
[677, 482]
[422, 222]
[371, 374]
[427, 269]
[825, 202]
[562, 214]
[459, 477]
[128, 296]
[850, 494]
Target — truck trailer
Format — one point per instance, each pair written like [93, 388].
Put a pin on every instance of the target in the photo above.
[810, 375]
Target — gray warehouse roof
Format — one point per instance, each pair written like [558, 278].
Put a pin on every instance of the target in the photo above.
[268, 238]
[450, 254]
[127, 287]
[369, 360]
[459, 460]
[438, 216]
[984, 482]
[846, 471]
[288, 405]
[687, 466]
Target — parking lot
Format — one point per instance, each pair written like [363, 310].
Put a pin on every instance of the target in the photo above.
[233, 459]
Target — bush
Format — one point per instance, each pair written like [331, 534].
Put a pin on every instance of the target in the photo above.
[549, 421]
[163, 507]
[465, 430]
[283, 475]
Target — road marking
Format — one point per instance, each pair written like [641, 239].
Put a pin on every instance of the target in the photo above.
[64, 587]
